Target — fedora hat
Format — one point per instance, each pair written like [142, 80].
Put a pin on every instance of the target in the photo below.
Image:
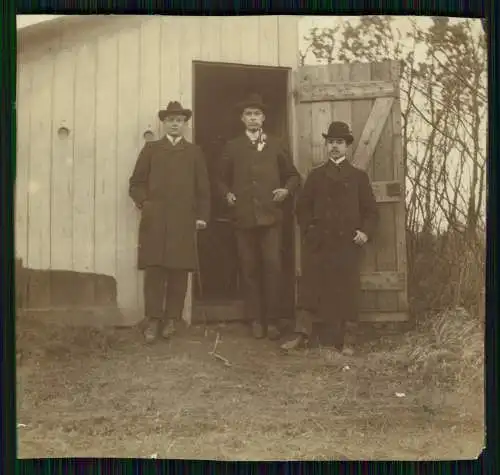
[254, 100]
[339, 130]
[174, 108]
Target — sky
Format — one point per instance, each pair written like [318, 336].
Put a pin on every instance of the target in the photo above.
[26, 20]
[402, 23]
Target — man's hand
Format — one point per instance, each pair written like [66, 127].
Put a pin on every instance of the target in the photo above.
[231, 199]
[360, 238]
[200, 224]
[140, 206]
[280, 194]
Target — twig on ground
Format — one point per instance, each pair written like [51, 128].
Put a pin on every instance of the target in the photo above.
[217, 339]
[215, 354]
[219, 357]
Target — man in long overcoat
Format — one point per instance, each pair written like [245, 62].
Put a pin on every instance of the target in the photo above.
[337, 214]
[171, 188]
[256, 176]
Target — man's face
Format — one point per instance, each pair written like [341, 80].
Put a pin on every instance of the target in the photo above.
[174, 125]
[253, 118]
[336, 147]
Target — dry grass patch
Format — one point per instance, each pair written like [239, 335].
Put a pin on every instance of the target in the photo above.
[89, 392]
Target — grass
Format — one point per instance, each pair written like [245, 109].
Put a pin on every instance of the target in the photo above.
[103, 393]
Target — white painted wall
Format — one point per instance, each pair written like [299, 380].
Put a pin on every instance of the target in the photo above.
[104, 79]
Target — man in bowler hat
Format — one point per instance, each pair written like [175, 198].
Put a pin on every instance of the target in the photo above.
[256, 176]
[337, 214]
[171, 188]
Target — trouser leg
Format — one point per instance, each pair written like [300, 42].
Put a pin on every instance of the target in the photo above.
[249, 267]
[341, 301]
[154, 291]
[177, 280]
[270, 248]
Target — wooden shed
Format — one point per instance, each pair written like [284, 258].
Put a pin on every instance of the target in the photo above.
[89, 89]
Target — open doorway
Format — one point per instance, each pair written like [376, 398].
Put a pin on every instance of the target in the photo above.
[217, 89]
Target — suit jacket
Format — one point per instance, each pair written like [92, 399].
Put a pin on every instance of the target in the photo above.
[252, 176]
[337, 200]
[170, 184]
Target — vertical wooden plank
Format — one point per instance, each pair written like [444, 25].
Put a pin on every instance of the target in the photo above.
[341, 110]
[40, 162]
[40, 179]
[288, 41]
[127, 152]
[304, 159]
[170, 84]
[62, 158]
[149, 101]
[190, 33]
[84, 159]
[105, 156]
[230, 39]
[211, 38]
[399, 208]
[360, 111]
[321, 118]
[248, 31]
[24, 101]
[383, 169]
[304, 124]
[268, 44]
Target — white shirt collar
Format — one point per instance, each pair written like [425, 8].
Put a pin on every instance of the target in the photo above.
[253, 135]
[174, 140]
[338, 161]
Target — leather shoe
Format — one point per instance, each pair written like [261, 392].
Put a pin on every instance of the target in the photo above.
[168, 330]
[299, 341]
[151, 331]
[257, 330]
[273, 333]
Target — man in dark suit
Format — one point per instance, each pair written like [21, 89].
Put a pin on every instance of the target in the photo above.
[171, 188]
[256, 176]
[337, 214]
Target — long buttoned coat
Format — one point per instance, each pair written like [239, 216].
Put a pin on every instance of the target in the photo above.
[170, 185]
[252, 175]
[336, 200]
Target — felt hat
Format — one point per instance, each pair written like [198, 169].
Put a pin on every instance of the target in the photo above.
[174, 108]
[254, 100]
[339, 130]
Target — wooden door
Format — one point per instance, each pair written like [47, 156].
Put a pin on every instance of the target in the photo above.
[365, 95]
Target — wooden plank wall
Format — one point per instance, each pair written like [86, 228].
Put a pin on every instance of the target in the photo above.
[104, 79]
[388, 252]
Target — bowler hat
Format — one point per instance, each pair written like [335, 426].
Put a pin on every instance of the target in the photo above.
[339, 130]
[254, 100]
[174, 108]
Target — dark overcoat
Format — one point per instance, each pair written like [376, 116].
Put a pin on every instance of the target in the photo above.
[252, 176]
[336, 201]
[170, 185]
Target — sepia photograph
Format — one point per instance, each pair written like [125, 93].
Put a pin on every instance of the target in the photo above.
[251, 238]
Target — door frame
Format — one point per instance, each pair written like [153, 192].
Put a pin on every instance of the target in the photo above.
[290, 126]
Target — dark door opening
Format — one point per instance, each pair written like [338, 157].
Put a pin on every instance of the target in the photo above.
[217, 89]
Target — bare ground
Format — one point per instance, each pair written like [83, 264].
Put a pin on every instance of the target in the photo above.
[103, 393]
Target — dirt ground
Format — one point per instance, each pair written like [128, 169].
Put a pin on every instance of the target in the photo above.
[85, 392]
